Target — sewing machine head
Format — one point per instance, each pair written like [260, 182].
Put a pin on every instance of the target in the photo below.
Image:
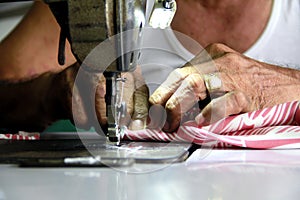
[88, 23]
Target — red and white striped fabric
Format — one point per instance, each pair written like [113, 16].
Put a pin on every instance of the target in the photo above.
[20, 136]
[275, 127]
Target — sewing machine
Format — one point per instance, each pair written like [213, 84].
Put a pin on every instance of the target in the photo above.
[90, 22]
[86, 24]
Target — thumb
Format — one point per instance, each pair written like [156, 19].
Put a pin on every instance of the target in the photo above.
[100, 104]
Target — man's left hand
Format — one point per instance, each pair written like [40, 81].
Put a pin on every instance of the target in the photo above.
[236, 84]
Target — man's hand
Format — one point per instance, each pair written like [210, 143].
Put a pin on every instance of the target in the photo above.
[91, 87]
[246, 85]
[135, 95]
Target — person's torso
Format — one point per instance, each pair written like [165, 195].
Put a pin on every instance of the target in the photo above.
[278, 44]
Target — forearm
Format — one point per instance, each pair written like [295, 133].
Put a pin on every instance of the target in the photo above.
[32, 47]
[32, 105]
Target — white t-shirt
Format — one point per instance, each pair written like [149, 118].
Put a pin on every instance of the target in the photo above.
[279, 44]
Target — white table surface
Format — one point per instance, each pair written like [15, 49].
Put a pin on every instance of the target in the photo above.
[213, 175]
[216, 174]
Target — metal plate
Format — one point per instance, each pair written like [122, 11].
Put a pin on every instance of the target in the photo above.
[16, 152]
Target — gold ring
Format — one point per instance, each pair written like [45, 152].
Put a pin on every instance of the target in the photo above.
[212, 82]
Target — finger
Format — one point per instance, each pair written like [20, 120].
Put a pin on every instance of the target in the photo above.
[188, 94]
[228, 104]
[100, 100]
[202, 63]
[84, 95]
[140, 103]
[165, 91]
[140, 114]
[78, 110]
[80, 117]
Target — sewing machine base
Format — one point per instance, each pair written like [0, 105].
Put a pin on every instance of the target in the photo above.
[51, 153]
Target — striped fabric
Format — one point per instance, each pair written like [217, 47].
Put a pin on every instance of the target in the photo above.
[275, 127]
[20, 136]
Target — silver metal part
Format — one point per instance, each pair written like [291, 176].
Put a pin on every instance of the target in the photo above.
[162, 13]
[83, 160]
[169, 4]
[127, 22]
[117, 109]
[125, 18]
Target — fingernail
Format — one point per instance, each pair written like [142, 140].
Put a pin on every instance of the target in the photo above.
[200, 119]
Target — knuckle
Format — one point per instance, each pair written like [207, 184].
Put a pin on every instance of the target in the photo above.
[234, 61]
[239, 101]
[232, 58]
[194, 81]
[214, 46]
[191, 81]
[233, 108]
[182, 73]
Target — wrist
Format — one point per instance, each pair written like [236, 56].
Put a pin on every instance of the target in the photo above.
[58, 101]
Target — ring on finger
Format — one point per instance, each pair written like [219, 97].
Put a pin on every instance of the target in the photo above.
[212, 82]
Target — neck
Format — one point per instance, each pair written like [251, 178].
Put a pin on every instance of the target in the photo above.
[214, 4]
[241, 22]
[223, 4]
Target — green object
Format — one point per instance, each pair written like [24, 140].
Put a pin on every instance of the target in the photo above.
[61, 126]
[66, 126]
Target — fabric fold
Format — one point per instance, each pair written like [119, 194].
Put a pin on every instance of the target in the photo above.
[274, 127]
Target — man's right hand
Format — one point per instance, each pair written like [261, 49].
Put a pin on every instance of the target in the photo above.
[89, 85]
